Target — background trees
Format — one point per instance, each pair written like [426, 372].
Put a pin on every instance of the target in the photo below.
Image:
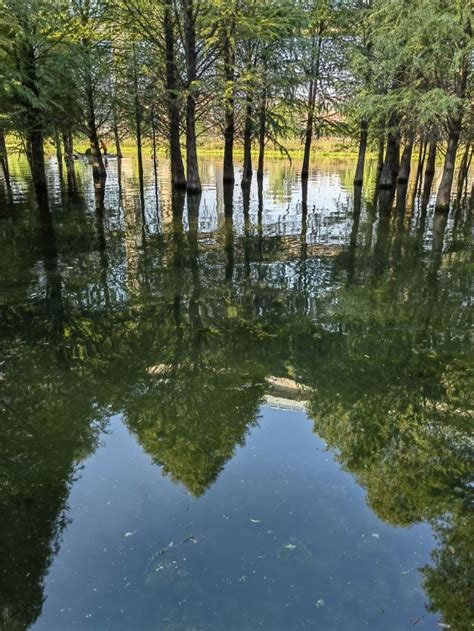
[396, 76]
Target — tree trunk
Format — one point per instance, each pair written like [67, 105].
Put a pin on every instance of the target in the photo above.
[59, 153]
[229, 114]
[4, 158]
[429, 172]
[313, 86]
[69, 160]
[443, 198]
[248, 132]
[178, 178]
[35, 138]
[359, 174]
[390, 168]
[138, 127]
[192, 168]
[155, 157]
[262, 131]
[464, 170]
[405, 162]
[380, 155]
[35, 141]
[118, 145]
[98, 168]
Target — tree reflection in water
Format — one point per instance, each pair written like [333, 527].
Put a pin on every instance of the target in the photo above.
[179, 337]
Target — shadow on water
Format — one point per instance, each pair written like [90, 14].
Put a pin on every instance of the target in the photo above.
[179, 339]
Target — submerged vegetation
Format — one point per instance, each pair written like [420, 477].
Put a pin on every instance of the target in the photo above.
[257, 73]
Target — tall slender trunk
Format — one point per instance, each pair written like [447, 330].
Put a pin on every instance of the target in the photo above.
[443, 198]
[59, 153]
[464, 170]
[380, 156]
[36, 152]
[138, 126]
[155, 157]
[262, 131]
[229, 114]
[178, 179]
[313, 87]
[405, 162]
[4, 158]
[248, 132]
[192, 168]
[359, 174]
[118, 144]
[35, 137]
[419, 168]
[69, 160]
[388, 176]
[429, 173]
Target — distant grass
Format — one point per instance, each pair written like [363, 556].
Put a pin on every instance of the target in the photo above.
[337, 148]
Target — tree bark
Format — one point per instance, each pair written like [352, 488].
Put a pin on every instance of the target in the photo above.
[464, 170]
[35, 137]
[443, 198]
[118, 145]
[178, 178]
[229, 114]
[405, 162]
[138, 127]
[380, 156]
[69, 160]
[248, 133]
[192, 168]
[59, 154]
[359, 174]
[313, 86]
[429, 173]
[4, 158]
[262, 131]
[390, 168]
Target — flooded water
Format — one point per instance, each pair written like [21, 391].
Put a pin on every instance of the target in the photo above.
[249, 411]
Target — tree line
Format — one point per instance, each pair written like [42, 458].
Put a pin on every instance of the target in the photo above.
[396, 75]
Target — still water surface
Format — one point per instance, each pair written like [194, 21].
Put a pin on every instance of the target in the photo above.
[156, 472]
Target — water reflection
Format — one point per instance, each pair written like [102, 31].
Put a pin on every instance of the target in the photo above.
[176, 322]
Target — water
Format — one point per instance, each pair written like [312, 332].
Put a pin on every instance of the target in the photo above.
[156, 472]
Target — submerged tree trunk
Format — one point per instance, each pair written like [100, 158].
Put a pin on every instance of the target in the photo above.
[138, 128]
[178, 178]
[464, 170]
[36, 155]
[405, 162]
[192, 168]
[429, 172]
[380, 156]
[248, 132]
[35, 139]
[69, 160]
[443, 198]
[155, 157]
[359, 174]
[4, 158]
[59, 153]
[98, 168]
[118, 145]
[390, 168]
[229, 114]
[262, 131]
[313, 86]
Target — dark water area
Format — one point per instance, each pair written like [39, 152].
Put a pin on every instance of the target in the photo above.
[249, 410]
